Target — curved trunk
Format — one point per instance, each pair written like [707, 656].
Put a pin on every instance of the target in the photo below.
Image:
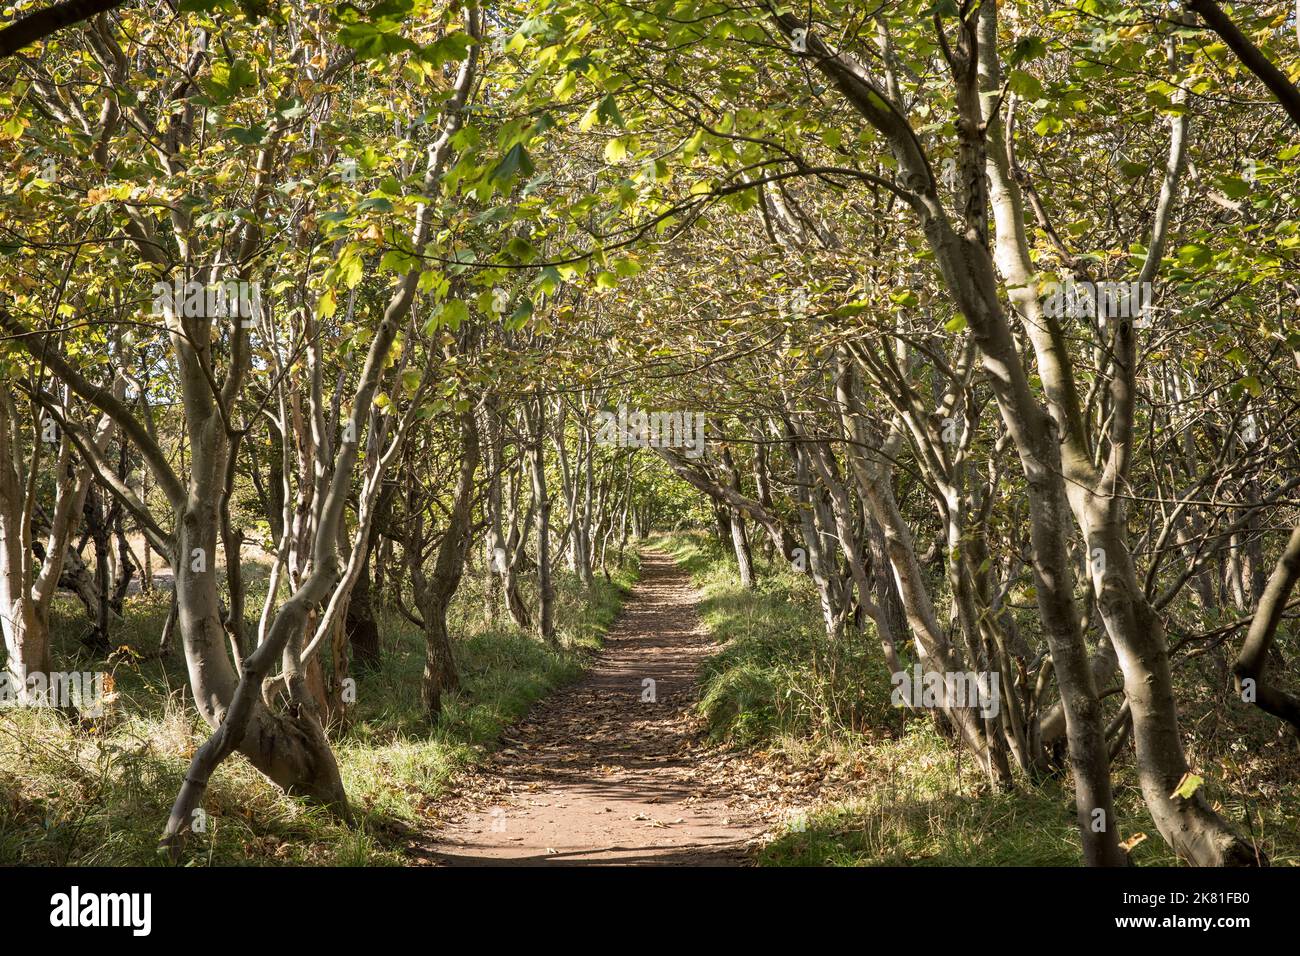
[1253, 659]
[739, 536]
[513, 555]
[440, 676]
[1189, 825]
[434, 593]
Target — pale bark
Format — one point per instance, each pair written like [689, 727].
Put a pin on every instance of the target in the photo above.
[535, 413]
[1135, 629]
[968, 272]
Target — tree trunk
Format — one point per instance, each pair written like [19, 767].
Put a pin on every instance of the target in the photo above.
[434, 593]
[1253, 659]
[536, 411]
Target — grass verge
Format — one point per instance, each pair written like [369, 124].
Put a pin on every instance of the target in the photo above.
[98, 792]
[903, 795]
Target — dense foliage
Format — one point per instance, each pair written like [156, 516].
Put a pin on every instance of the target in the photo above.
[977, 317]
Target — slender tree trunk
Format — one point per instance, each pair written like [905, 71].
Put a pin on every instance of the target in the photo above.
[515, 551]
[739, 539]
[536, 410]
[27, 644]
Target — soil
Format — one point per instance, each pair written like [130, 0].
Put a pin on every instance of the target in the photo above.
[616, 769]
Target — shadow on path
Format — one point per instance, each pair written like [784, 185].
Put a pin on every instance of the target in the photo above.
[613, 769]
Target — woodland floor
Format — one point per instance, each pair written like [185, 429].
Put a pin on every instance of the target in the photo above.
[597, 774]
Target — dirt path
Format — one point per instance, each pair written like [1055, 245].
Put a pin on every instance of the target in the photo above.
[614, 769]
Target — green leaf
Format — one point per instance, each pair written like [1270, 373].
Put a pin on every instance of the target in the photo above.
[566, 86]
[327, 304]
[615, 150]
[451, 315]
[398, 261]
[521, 249]
[248, 135]
[519, 318]
[1025, 84]
[452, 47]
[1195, 255]
[692, 145]
[608, 112]
[375, 41]
[1027, 48]
[1188, 786]
[228, 77]
[516, 162]
[350, 267]
[1234, 187]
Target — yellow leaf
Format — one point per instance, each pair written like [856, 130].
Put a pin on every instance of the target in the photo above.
[327, 304]
[1128, 845]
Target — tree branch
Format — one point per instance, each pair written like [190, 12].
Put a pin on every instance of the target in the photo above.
[42, 23]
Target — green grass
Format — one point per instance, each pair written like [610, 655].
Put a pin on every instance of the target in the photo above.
[776, 673]
[914, 806]
[907, 796]
[98, 792]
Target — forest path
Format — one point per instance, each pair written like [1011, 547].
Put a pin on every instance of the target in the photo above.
[600, 773]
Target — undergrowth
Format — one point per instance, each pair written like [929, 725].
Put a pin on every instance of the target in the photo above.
[907, 797]
[97, 792]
